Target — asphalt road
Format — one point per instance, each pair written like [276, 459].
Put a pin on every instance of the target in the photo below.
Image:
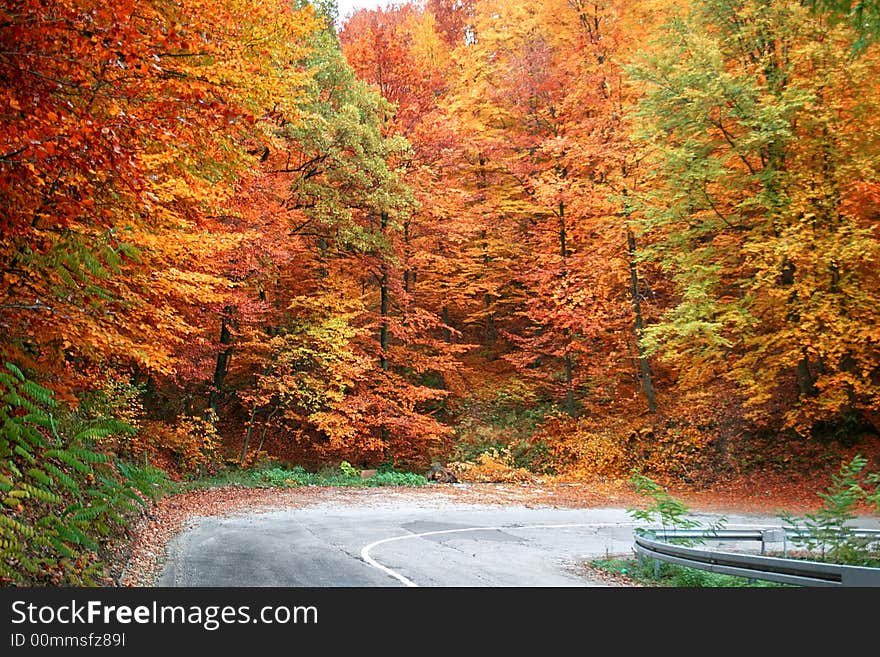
[405, 544]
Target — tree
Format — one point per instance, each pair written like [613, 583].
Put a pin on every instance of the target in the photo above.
[757, 124]
[345, 383]
[539, 94]
[118, 157]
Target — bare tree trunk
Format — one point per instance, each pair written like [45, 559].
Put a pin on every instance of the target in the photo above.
[223, 358]
[266, 428]
[805, 382]
[383, 306]
[447, 333]
[569, 387]
[487, 298]
[647, 382]
[569, 361]
[482, 184]
[247, 436]
[409, 278]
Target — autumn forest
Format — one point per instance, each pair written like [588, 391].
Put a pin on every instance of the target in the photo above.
[567, 237]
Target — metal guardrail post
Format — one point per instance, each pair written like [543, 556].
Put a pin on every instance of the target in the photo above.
[772, 536]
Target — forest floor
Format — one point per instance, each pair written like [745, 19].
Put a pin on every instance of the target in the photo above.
[137, 561]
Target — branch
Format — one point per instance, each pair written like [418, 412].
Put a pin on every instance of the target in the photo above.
[729, 139]
[5, 157]
[37, 305]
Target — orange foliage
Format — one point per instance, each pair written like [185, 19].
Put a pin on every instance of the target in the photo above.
[120, 150]
[191, 442]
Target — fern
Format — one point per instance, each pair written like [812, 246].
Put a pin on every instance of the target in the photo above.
[37, 393]
[61, 497]
[63, 478]
[69, 459]
[41, 477]
[88, 455]
[11, 525]
[12, 367]
[24, 454]
[40, 493]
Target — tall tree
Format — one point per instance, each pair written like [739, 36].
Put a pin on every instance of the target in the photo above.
[540, 95]
[119, 152]
[759, 127]
[342, 365]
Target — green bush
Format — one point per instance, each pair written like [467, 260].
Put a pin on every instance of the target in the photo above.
[345, 475]
[396, 479]
[664, 509]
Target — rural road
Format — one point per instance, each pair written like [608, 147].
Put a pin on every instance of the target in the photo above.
[411, 543]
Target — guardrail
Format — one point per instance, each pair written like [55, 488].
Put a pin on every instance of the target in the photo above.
[654, 544]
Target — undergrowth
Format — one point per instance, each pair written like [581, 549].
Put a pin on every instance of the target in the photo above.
[672, 575]
[286, 476]
[829, 533]
[65, 496]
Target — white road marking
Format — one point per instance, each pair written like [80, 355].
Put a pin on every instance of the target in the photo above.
[365, 552]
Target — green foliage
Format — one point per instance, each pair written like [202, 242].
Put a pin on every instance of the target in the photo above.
[296, 476]
[749, 211]
[348, 470]
[830, 535]
[350, 168]
[826, 531]
[873, 479]
[664, 509]
[504, 418]
[673, 575]
[669, 512]
[864, 16]
[533, 455]
[61, 497]
[397, 479]
[282, 477]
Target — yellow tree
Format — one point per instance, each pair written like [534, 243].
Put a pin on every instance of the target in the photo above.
[759, 128]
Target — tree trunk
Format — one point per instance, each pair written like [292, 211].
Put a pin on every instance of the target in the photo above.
[266, 428]
[483, 184]
[409, 278]
[805, 382]
[383, 306]
[806, 385]
[247, 437]
[487, 298]
[569, 361]
[222, 366]
[647, 382]
[569, 386]
[447, 333]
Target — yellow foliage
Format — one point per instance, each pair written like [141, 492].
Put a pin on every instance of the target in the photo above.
[601, 452]
[674, 445]
[492, 465]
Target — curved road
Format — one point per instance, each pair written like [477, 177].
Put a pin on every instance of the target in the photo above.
[405, 544]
